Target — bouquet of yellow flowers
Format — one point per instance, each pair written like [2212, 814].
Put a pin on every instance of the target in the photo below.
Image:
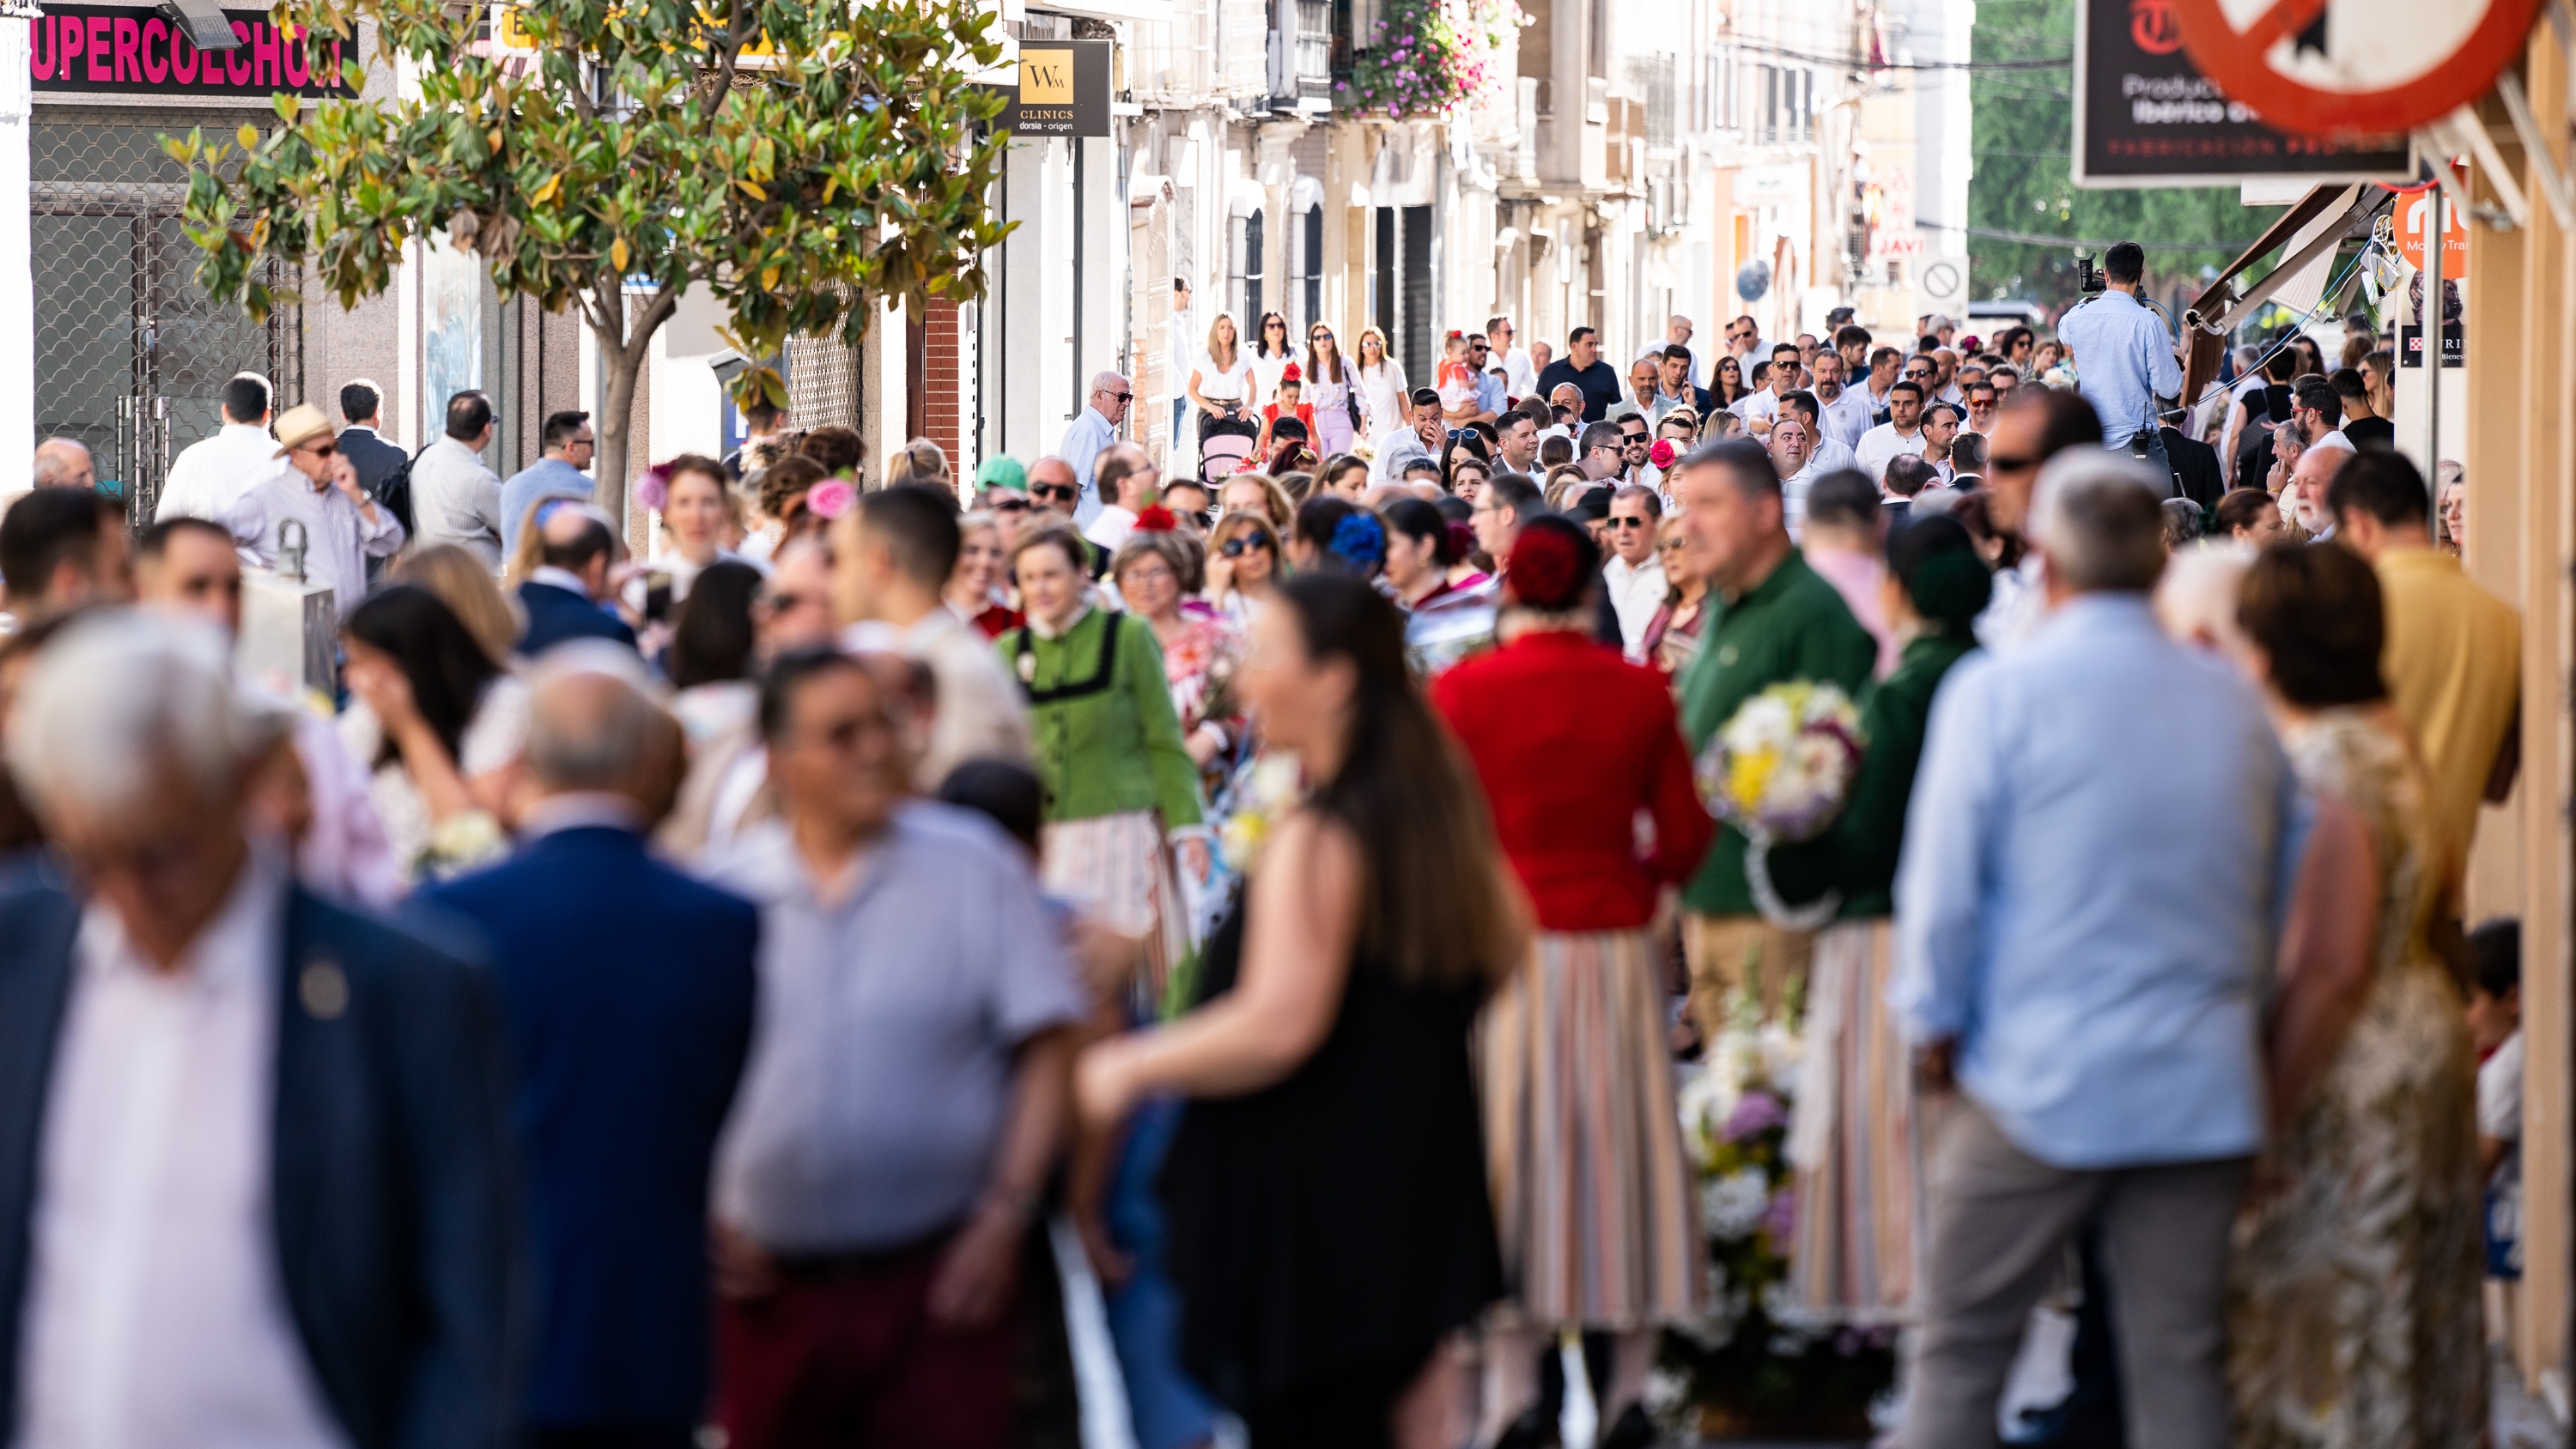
[1780, 771]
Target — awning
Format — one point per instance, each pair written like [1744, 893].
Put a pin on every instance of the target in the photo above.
[2346, 210]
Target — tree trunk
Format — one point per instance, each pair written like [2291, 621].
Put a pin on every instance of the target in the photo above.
[617, 414]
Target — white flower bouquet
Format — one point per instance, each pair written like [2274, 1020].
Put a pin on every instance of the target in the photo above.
[1780, 770]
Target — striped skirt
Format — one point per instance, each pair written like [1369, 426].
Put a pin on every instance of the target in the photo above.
[1856, 1137]
[1591, 1192]
[1117, 869]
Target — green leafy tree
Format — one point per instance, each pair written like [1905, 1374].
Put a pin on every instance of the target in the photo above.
[2024, 133]
[804, 163]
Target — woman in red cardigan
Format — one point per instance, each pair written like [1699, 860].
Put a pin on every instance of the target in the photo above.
[1583, 1143]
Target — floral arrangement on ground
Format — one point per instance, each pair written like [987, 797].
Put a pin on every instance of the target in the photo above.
[1758, 1362]
[1429, 57]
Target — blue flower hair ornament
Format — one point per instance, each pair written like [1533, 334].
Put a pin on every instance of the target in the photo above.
[1359, 541]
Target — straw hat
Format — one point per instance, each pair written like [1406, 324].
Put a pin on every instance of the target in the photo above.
[302, 424]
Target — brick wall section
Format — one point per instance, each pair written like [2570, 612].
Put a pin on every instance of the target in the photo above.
[942, 409]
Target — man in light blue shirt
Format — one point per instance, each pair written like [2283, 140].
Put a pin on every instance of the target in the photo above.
[1093, 429]
[2084, 933]
[563, 472]
[2124, 357]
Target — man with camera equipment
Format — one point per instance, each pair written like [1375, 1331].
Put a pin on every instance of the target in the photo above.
[2123, 355]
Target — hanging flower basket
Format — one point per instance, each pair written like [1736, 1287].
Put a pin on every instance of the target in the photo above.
[1428, 58]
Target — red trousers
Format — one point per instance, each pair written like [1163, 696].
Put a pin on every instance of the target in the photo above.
[849, 1358]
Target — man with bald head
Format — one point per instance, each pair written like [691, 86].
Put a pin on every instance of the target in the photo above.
[563, 595]
[1052, 487]
[2308, 483]
[1094, 429]
[63, 463]
[615, 970]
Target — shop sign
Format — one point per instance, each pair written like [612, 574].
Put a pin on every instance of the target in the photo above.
[2343, 68]
[2146, 115]
[2410, 346]
[107, 50]
[1061, 89]
[2415, 217]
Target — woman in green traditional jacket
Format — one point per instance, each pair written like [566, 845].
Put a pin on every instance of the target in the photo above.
[1119, 780]
[1856, 1137]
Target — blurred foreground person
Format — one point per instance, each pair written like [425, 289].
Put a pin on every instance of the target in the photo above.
[628, 987]
[187, 565]
[1330, 1223]
[2046, 828]
[251, 1144]
[2358, 1256]
[905, 1097]
[62, 549]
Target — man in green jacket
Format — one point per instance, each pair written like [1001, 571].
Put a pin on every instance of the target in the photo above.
[1777, 620]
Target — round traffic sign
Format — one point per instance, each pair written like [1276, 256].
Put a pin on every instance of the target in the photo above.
[2348, 68]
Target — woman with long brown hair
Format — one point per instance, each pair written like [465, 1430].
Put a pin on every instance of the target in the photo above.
[1330, 1223]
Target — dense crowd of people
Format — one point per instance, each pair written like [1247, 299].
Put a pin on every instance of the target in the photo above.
[762, 984]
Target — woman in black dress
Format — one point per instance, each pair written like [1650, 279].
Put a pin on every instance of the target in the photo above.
[1330, 1217]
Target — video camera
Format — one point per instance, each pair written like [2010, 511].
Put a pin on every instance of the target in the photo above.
[2088, 274]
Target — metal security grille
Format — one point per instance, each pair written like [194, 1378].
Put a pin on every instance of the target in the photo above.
[131, 355]
[822, 383]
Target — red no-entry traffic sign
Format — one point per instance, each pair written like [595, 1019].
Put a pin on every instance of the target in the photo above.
[2348, 68]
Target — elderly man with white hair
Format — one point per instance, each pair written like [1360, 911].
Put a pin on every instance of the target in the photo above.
[2305, 498]
[618, 972]
[252, 1147]
[2083, 937]
[1093, 429]
[63, 463]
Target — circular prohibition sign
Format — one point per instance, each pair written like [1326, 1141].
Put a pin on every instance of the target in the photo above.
[2341, 69]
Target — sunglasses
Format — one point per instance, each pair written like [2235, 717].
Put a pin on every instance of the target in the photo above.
[2011, 462]
[324, 451]
[1614, 521]
[1240, 545]
[1055, 490]
[1011, 505]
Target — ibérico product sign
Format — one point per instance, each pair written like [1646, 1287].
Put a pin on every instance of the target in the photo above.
[104, 50]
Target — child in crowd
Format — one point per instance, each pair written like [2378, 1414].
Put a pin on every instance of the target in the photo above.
[1456, 378]
[2495, 1029]
[1287, 402]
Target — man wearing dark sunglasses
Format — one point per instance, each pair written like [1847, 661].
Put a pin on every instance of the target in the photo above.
[1051, 486]
[319, 492]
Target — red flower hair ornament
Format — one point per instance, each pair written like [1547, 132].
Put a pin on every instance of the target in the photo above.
[1551, 564]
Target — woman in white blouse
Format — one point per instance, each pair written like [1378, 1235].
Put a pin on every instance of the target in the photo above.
[1221, 382]
[1271, 355]
[1334, 390]
[700, 515]
[1382, 389]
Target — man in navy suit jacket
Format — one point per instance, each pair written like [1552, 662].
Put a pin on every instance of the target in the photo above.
[562, 595]
[253, 1180]
[628, 987]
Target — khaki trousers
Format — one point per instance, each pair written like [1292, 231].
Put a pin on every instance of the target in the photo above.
[2001, 1221]
[1726, 953]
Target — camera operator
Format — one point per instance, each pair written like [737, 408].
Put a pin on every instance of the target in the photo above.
[2124, 358]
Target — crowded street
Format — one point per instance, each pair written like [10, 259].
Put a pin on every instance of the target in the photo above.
[980, 729]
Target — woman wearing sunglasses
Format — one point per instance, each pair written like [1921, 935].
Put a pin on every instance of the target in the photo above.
[1242, 565]
[1341, 407]
[1272, 355]
[1382, 389]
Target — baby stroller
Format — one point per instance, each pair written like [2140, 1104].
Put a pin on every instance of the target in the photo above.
[1224, 444]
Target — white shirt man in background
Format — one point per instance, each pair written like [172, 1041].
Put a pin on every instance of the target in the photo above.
[210, 476]
[1901, 433]
[1633, 575]
[1520, 374]
[454, 497]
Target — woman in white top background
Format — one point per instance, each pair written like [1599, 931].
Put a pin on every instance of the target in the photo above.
[1271, 354]
[1333, 390]
[1382, 389]
[1221, 381]
[700, 517]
